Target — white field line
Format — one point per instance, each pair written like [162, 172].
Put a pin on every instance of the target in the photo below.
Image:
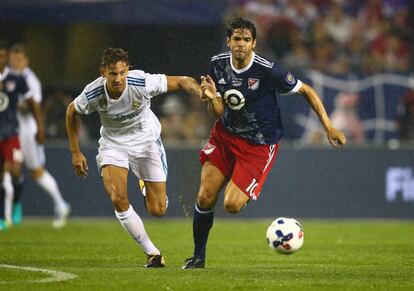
[55, 276]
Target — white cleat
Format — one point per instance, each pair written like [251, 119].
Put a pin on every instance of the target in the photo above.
[61, 216]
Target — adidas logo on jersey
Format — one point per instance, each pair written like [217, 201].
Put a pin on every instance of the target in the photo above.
[222, 81]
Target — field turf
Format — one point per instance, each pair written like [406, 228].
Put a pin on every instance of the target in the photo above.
[337, 255]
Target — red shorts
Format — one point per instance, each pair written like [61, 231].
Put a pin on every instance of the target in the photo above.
[10, 150]
[245, 163]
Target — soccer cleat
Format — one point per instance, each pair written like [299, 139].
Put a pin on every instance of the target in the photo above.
[17, 213]
[155, 261]
[61, 216]
[194, 263]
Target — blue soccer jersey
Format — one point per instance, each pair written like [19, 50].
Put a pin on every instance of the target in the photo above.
[11, 87]
[250, 96]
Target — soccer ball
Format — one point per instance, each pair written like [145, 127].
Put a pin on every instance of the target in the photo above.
[285, 235]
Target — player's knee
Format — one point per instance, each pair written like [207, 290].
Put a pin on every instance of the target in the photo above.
[157, 210]
[206, 198]
[231, 207]
[119, 203]
[37, 173]
[205, 201]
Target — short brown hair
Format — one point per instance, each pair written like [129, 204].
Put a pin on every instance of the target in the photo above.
[114, 55]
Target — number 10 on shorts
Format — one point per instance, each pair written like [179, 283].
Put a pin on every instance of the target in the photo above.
[252, 187]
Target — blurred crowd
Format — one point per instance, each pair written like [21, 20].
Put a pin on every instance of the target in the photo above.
[333, 36]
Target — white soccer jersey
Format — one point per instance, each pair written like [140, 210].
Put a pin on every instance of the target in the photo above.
[127, 121]
[27, 122]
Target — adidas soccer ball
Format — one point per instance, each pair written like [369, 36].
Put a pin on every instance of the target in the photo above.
[285, 235]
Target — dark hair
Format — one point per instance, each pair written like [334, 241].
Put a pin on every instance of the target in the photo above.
[114, 55]
[18, 48]
[240, 22]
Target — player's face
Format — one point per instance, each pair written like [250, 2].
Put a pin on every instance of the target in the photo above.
[17, 61]
[115, 75]
[241, 44]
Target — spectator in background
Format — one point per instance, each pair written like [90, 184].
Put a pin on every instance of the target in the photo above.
[345, 117]
[174, 128]
[54, 106]
[184, 124]
[406, 117]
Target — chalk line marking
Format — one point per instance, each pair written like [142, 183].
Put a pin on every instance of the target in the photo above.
[55, 276]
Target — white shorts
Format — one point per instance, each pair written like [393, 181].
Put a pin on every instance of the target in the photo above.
[33, 153]
[149, 165]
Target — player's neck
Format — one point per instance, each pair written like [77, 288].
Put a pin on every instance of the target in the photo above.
[241, 64]
[113, 95]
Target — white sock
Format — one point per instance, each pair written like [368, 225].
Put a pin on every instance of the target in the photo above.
[48, 183]
[133, 224]
[8, 199]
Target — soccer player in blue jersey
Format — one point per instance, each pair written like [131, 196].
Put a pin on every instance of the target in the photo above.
[130, 138]
[242, 89]
[12, 87]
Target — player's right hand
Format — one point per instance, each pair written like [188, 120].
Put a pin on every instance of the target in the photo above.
[208, 87]
[80, 165]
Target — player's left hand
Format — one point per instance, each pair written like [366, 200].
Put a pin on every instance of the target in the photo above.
[208, 87]
[336, 138]
[40, 136]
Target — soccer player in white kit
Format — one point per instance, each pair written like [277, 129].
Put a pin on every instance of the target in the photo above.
[33, 152]
[130, 138]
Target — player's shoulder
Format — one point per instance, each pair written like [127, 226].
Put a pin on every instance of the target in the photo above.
[30, 75]
[136, 78]
[220, 57]
[95, 88]
[263, 62]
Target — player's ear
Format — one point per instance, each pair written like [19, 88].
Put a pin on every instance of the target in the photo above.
[101, 71]
[254, 44]
[228, 42]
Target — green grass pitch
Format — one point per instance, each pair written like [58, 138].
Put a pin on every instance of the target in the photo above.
[337, 255]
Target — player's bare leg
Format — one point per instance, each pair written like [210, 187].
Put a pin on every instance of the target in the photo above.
[115, 182]
[234, 198]
[156, 197]
[212, 181]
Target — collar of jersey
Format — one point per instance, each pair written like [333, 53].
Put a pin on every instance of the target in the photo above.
[245, 68]
[111, 100]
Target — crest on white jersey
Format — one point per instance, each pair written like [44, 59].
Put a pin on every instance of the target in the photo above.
[136, 104]
[103, 103]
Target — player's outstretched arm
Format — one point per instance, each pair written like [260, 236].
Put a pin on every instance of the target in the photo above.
[38, 116]
[72, 129]
[335, 137]
[215, 102]
[185, 83]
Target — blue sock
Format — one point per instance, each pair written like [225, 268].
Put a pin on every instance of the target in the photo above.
[202, 223]
[18, 187]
